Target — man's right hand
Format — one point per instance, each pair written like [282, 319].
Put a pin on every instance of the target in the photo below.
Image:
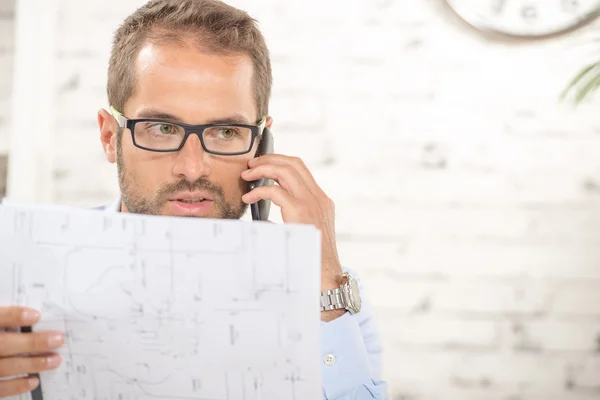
[24, 353]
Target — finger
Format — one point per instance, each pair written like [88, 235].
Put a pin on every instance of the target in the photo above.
[28, 365]
[286, 176]
[276, 194]
[18, 316]
[23, 343]
[296, 163]
[18, 386]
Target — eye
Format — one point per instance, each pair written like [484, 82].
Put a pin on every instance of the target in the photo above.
[166, 129]
[160, 129]
[227, 133]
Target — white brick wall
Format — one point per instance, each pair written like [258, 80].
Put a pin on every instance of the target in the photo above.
[7, 8]
[467, 198]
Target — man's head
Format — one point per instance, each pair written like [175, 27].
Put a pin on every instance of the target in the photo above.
[195, 62]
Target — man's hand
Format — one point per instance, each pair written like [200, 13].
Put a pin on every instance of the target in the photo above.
[24, 353]
[301, 201]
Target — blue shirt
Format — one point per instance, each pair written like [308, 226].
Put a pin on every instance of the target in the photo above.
[354, 343]
[350, 353]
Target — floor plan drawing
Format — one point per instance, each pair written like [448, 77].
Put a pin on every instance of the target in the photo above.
[167, 308]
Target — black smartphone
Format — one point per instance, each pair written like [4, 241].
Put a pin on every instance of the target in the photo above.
[36, 394]
[260, 209]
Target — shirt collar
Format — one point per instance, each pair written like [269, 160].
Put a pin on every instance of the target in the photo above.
[115, 206]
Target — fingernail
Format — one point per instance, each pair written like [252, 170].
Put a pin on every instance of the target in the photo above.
[33, 382]
[245, 172]
[52, 361]
[253, 160]
[30, 316]
[56, 340]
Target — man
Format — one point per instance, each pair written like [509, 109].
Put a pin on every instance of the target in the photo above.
[189, 83]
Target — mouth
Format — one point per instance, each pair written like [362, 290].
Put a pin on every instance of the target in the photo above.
[191, 197]
[191, 201]
[190, 204]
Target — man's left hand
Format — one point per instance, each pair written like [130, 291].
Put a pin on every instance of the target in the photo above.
[301, 201]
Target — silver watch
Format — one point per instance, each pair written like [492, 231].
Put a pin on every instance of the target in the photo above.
[347, 296]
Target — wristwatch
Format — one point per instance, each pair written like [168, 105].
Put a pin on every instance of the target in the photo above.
[347, 296]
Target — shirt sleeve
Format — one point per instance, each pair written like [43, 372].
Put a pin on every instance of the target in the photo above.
[351, 357]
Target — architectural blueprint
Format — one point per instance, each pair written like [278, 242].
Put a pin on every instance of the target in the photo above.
[167, 308]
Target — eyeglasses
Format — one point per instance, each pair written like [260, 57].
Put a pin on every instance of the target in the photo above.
[166, 136]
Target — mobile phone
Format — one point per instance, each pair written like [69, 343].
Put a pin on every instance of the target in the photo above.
[260, 209]
[37, 393]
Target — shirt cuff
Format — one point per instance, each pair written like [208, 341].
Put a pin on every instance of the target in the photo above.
[344, 356]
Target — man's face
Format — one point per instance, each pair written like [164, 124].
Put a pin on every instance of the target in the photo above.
[182, 84]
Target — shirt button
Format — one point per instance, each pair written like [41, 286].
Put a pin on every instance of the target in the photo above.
[329, 360]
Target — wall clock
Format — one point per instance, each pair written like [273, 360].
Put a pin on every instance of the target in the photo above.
[526, 18]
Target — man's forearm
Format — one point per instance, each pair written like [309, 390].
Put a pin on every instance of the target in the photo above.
[328, 316]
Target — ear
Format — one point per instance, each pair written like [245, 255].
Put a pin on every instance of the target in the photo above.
[108, 135]
[269, 122]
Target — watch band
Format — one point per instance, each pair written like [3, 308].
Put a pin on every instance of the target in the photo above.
[332, 300]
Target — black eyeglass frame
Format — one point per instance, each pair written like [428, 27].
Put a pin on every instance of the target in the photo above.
[125, 122]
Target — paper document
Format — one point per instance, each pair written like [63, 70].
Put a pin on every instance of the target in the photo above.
[167, 308]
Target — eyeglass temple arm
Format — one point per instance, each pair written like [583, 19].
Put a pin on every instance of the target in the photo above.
[261, 124]
[121, 120]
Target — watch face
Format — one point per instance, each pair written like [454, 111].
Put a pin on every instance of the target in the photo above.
[354, 296]
[526, 18]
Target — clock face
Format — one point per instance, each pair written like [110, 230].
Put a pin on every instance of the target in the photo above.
[526, 18]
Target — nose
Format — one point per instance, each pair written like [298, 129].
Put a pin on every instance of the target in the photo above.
[192, 161]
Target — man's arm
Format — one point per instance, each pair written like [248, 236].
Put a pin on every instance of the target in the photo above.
[351, 357]
[350, 344]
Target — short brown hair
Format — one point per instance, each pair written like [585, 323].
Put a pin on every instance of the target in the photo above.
[217, 27]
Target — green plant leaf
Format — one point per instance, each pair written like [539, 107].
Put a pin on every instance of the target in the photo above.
[587, 88]
[582, 84]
